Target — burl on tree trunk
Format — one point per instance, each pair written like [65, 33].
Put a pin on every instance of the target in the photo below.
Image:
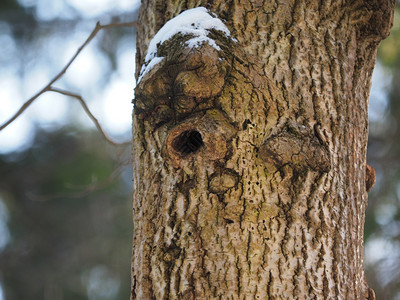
[249, 148]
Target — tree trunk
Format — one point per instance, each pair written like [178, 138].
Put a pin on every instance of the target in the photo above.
[250, 155]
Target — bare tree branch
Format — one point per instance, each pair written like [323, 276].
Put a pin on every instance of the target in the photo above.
[88, 112]
[48, 87]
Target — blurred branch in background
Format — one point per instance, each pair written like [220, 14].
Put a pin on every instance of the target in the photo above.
[65, 204]
[40, 36]
[88, 112]
[49, 86]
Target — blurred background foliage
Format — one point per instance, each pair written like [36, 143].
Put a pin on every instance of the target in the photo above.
[382, 227]
[67, 213]
[65, 193]
[65, 207]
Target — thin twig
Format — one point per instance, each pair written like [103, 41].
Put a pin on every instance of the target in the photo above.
[97, 28]
[88, 112]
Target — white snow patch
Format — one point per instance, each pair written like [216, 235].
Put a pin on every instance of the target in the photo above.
[149, 66]
[196, 22]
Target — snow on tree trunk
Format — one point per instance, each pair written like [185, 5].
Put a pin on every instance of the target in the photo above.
[249, 148]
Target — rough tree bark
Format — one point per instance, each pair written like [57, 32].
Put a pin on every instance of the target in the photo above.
[250, 161]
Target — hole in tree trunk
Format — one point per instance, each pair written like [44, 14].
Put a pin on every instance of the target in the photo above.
[187, 142]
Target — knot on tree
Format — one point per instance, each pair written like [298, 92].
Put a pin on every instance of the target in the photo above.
[187, 142]
[298, 147]
[370, 177]
[223, 180]
[374, 18]
[178, 91]
[182, 79]
[206, 133]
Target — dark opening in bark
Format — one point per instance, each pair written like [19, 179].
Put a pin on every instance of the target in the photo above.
[187, 142]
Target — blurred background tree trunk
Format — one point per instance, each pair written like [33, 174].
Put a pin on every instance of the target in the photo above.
[253, 184]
